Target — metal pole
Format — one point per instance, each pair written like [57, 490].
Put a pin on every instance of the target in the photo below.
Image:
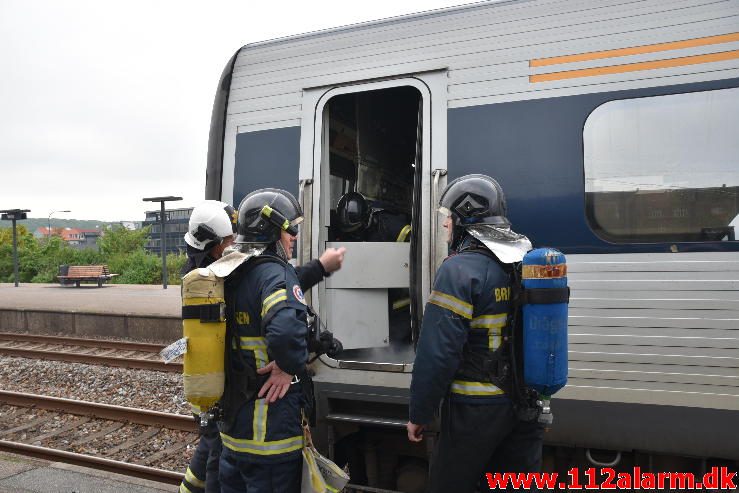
[48, 228]
[15, 255]
[163, 244]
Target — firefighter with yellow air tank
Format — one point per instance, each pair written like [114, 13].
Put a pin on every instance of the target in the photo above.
[204, 323]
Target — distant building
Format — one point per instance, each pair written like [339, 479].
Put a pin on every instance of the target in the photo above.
[176, 227]
[131, 225]
[75, 237]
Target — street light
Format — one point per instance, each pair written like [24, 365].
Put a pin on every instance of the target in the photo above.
[163, 241]
[14, 215]
[48, 230]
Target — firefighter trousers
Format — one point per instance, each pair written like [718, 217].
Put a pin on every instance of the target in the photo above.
[202, 474]
[239, 475]
[480, 438]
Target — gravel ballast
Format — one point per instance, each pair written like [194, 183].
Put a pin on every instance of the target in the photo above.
[156, 391]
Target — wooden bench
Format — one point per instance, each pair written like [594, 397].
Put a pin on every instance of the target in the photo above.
[86, 273]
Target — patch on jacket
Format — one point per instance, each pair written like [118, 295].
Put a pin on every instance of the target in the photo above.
[298, 293]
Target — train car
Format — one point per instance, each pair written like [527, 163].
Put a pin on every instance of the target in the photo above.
[612, 127]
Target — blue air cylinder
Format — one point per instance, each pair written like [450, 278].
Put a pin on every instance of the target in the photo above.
[545, 299]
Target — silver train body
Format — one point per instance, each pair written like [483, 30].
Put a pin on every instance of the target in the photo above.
[612, 127]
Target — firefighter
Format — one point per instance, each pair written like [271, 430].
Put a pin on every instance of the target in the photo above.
[266, 374]
[211, 229]
[463, 323]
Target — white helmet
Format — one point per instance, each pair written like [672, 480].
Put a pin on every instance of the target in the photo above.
[210, 223]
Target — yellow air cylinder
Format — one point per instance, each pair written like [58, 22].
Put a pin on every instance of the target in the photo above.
[204, 326]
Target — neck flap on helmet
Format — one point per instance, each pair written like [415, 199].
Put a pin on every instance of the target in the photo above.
[503, 242]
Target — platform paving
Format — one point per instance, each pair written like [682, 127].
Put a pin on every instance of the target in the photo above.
[124, 311]
[121, 299]
[19, 474]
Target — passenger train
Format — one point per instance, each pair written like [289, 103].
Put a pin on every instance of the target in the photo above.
[612, 126]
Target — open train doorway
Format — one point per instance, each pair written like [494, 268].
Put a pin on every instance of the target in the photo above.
[370, 200]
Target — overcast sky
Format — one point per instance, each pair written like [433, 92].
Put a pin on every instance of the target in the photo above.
[103, 103]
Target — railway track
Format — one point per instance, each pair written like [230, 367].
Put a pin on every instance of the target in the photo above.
[121, 354]
[138, 442]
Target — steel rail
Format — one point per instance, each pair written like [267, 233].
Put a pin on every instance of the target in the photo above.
[143, 472]
[116, 361]
[103, 411]
[78, 341]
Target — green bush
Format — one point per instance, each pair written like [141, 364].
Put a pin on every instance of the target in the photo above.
[121, 249]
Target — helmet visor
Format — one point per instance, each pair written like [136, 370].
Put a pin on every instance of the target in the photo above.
[295, 223]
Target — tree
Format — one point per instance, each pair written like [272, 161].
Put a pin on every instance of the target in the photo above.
[119, 240]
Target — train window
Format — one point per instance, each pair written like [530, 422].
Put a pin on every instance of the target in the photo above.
[664, 168]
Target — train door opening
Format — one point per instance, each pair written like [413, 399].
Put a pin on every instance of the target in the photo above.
[370, 199]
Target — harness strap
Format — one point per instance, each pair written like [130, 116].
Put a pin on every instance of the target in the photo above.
[212, 313]
[545, 296]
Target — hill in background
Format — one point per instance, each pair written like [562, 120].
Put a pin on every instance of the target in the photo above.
[33, 223]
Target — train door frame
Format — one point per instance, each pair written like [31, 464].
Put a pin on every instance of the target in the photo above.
[313, 160]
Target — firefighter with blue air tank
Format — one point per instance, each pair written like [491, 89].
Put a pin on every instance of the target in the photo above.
[267, 383]
[464, 355]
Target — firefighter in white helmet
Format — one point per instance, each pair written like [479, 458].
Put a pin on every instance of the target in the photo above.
[210, 230]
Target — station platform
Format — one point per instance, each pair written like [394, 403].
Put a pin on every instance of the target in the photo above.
[19, 474]
[137, 312]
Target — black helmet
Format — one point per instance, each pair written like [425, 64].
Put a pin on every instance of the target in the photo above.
[473, 199]
[264, 213]
[353, 212]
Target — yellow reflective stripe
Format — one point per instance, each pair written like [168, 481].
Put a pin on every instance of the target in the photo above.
[493, 321]
[259, 426]
[263, 448]
[259, 346]
[253, 342]
[196, 409]
[272, 300]
[474, 388]
[184, 489]
[403, 233]
[331, 489]
[397, 305]
[260, 358]
[274, 295]
[193, 480]
[451, 303]
[202, 301]
[494, 338]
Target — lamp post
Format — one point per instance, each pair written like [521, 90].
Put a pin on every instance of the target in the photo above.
[48, 230]
[14, 215]
[163, 241]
